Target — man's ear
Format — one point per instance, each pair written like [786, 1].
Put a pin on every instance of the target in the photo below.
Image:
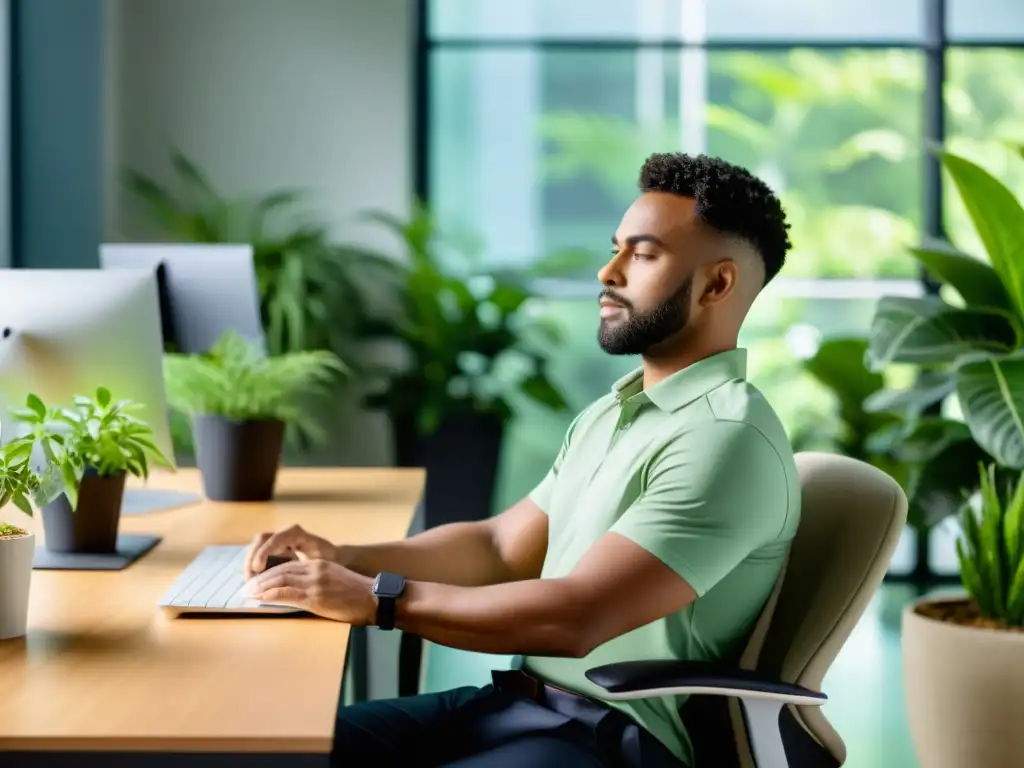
[721, 281]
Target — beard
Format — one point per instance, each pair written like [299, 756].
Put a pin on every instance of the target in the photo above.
[642, 330]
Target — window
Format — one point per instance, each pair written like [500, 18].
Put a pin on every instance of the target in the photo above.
[540, 112]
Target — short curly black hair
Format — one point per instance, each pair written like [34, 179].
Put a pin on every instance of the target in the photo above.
[729, 199]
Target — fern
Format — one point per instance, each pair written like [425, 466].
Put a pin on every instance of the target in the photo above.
[238, 381]
[990, 552]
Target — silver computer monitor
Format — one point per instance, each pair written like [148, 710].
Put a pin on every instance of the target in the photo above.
[65, 332]
[205, 289]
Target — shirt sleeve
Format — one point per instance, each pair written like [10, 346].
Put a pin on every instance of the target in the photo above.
[709, 499]
[541, 495]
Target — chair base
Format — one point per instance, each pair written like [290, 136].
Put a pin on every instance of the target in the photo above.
[714, 742]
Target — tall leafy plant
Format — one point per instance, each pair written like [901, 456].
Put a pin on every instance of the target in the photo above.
[838, 365]
[313, 292]
[968, 345]
[933, 459]
[471, 339]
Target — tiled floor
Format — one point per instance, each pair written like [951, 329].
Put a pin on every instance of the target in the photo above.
[865, 684]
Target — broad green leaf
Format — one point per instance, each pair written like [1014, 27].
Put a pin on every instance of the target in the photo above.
[930, 388]
[839, 365]
[937, 487]
[23, 504]
[71, 479]
[991, 396]
[19, 450]
[998, 219]
[36, 405]
[103, 397]
[975, 281]
[926, 438]
[540, 388]
[927, 330]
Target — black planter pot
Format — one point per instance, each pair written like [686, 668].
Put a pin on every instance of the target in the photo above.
[92, 526]
[238, 459]
[461, 459]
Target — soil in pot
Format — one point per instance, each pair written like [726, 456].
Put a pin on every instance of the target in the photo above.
[962, 612]
[92, 527]
[17, 550]
[238, 460]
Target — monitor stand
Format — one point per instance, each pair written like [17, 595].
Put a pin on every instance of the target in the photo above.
[141, 501]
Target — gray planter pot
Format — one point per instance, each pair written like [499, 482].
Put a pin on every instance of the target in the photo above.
[238, 459]
[92, 527]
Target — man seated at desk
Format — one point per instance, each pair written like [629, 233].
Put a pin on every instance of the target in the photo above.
[657, 534]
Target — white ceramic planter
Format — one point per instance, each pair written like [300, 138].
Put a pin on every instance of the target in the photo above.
[16, 555]
[965, 692]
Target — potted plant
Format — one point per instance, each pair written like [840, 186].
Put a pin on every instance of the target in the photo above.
[89, 449]
[968, 340]
[962, 660]
[18, 486]
[963, 657]
[313, 291]
[473, 345]
[932, 458]
[240, 400]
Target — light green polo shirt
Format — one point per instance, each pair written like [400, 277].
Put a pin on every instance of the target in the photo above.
[698, 471]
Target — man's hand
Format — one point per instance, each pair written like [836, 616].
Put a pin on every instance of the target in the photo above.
[324, 588]
[293, 542]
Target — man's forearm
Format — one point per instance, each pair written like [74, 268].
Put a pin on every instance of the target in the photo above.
[535, 616]
[458, 553]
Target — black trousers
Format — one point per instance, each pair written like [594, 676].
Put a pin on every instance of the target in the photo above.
[492, 726]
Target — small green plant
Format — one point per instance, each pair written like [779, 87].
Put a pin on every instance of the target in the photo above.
[238, 381]
[96, 432]
[19, 482]
[991, 550]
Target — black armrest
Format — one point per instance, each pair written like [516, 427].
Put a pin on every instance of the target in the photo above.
[646, 679]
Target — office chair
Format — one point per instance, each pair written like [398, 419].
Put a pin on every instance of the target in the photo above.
[764, 711]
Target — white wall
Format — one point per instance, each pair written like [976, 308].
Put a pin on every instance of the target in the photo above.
[267, 94]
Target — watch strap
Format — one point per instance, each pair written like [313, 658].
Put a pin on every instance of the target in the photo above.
[386, 612]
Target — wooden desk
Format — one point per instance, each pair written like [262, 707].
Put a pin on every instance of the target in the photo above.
[102, 669]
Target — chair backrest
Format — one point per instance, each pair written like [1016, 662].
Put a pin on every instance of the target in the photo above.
[852, 516]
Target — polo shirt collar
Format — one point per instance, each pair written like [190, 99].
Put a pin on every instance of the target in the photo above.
[685, 386]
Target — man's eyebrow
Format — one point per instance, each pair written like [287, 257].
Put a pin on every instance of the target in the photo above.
[636, 239]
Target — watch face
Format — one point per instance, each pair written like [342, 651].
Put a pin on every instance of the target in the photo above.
[389, 585]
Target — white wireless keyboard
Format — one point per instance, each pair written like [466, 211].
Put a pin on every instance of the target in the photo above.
[214, 583]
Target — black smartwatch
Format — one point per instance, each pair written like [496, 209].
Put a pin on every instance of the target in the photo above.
[387, 588]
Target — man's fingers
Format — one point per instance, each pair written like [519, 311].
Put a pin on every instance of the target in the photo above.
[294, 597]
[294, 573]
[287, 542]
[253, 564]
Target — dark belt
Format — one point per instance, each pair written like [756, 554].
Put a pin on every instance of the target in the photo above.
[617, 735]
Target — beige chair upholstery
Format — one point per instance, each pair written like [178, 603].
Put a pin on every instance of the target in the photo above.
[851, 519]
